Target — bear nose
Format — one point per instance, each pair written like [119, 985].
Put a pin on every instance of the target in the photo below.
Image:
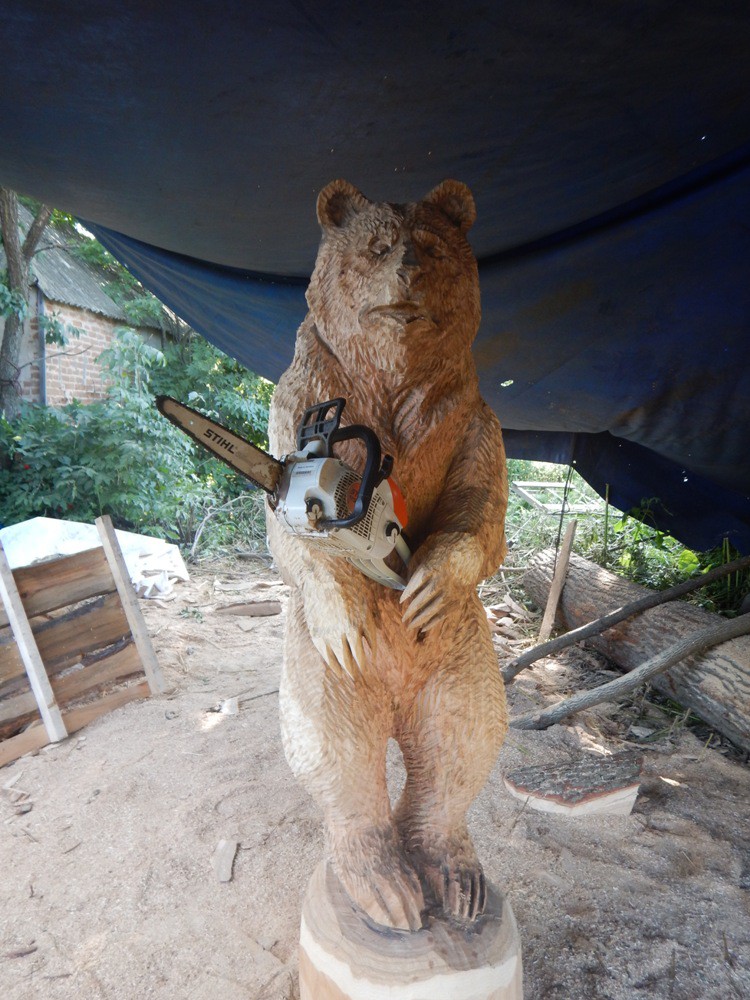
[409, 258]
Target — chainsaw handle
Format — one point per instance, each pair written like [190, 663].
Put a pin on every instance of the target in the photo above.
[370, 477]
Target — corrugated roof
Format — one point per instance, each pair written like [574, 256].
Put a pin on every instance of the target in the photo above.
[64, 278]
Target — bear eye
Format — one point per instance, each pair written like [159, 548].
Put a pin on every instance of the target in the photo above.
[379, 246]
[430, 243]
[383, 241]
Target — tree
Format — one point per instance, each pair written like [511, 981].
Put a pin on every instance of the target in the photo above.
[18, 257]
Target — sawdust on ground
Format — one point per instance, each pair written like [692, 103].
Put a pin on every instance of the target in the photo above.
[108, 888]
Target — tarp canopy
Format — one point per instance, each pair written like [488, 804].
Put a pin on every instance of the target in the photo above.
[607, 146]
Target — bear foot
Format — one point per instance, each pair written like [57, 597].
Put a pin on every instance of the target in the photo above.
[451, 874]
[459, 890]
[379, 879]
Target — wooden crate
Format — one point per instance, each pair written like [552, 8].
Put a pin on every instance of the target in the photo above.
[60, 659]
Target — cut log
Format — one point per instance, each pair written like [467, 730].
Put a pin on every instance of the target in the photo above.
[691, 646]
[649, 600]
[714, 684]
[592, 785]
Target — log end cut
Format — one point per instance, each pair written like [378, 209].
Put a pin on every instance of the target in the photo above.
[592, 785]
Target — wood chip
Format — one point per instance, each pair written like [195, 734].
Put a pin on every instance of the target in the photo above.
[516, 607]
[223, 859]
[252, 609]
[508, 632]
[21, 952]
[233, 585]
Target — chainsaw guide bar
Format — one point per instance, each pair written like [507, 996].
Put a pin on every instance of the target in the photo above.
[262, 469]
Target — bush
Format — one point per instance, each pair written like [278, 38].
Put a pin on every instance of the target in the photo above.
[628, 544]
[120, 457]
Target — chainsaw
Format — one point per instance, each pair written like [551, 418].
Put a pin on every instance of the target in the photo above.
[312, 492]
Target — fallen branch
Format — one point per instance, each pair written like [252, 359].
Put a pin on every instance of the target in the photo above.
[650, 600]
[692, 645]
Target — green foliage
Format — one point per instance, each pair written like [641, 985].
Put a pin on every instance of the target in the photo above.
[199, 374]
[725, 595]
[526, 471]
[121, 457]
[11, 302]
[630, 545]
[55, 330]
[643, 553]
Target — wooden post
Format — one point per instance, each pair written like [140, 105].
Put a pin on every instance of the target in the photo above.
[129, 601]
[345, 957]
[558, 582]
[32, 661]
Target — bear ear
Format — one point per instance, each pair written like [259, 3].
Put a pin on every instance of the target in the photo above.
[455, 201]
[337, 201]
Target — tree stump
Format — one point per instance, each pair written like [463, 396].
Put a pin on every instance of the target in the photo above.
[714, 684]
[345, 957]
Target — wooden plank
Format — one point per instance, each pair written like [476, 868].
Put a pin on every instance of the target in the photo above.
[130, 604]
[65, 641]
[20, 719]
[108, 670]
[35, 737]
[558, 581]
[16, 710]
[30, 655]
[48, 586]
[11, 664]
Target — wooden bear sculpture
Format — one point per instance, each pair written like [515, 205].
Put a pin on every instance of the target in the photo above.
[394, 308]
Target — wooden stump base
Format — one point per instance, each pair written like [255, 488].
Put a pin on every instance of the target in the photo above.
[343, 957]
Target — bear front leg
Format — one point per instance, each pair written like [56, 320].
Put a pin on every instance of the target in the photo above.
[335, 597]
[466, 537]
[450, 736]
[335, 723]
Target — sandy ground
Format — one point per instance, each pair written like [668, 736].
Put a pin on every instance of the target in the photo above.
[108, 888]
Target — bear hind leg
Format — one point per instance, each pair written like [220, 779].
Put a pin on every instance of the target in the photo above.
[335, 727]
[450, 739]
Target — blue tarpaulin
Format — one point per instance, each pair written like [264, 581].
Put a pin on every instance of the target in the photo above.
[607, 146]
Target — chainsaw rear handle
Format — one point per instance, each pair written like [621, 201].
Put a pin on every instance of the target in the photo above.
[370, 477]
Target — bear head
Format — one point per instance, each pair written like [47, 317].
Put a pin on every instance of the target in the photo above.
[395, 286]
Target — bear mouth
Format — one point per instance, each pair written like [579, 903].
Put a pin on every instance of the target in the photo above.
[404, 313]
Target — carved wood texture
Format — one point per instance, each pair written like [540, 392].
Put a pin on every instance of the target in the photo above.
[394, 308]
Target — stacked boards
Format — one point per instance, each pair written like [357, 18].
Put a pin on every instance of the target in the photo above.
[73, 645]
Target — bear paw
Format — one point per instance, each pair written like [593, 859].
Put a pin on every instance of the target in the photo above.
[443, 569]
[460, 890]
[380, 882]
[451, 873]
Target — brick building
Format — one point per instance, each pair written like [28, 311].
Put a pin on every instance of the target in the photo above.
[71, 291]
